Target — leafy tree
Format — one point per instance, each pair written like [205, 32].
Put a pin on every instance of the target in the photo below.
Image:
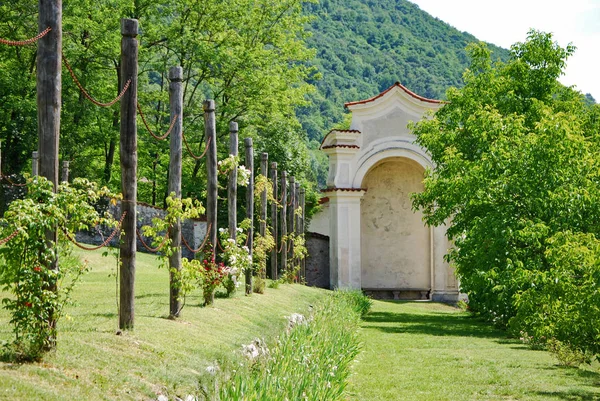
[248, 55]
[364, 47]
[517, 176]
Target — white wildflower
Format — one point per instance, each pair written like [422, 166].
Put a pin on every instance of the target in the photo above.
[250, 351]
[295, 319]
[255, 349]
[212, 370]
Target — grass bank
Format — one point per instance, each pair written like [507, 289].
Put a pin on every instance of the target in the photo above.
[427, 351]
[160, 356]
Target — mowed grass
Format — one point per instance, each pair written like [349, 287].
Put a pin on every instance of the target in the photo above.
[160, 356]
[428, 351]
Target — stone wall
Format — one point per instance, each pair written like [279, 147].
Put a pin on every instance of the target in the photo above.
[317, 261]
[193, 231]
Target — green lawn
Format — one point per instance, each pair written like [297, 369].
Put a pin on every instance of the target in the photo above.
[427, 351]
[160, 355]
[411, 350]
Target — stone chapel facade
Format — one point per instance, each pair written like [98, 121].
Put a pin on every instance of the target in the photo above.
[376, 241]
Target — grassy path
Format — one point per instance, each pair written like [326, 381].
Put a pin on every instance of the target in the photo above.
[427, 351]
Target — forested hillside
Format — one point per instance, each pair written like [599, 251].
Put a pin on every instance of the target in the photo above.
[364, 46]
[248, 55]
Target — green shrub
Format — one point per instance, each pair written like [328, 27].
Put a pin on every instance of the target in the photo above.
[311, 361]
[38, 290]
[566, 354]
[357, 300]
[561, 307]
[258, 285]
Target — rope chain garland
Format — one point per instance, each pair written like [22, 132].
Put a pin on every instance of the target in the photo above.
[27, 41]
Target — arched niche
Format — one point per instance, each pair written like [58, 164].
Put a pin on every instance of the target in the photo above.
[396, 245]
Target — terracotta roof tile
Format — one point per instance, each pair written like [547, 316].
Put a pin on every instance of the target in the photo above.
[399, 85]
[335, 189]
[350, 131]
[341, 146]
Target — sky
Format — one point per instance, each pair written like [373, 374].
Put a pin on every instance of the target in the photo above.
[504, 22]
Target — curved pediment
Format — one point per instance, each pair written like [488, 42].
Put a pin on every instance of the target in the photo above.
[395, 97]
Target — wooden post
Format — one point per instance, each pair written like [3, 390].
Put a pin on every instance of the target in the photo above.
[296, 205]
[274, 222]
[175, 157]
[302, 202]
[211, 173]
[250, 207]
[49, 84]
[128, 155]
[283, 221]
[65, 171]
[35, 163]
[291, 216]
[297, 221]
[232, 188]
[264, 159]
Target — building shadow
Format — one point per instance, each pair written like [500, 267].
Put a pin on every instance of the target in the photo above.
[433, 324]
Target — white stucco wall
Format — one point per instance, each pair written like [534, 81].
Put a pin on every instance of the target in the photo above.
[319, 223]
[396, 245]
[376, 240]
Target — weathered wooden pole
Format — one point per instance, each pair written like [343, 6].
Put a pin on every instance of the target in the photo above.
[35, 163]
[283, 221]
[297, 221]
[128, 155]
[232, 187]
[296, 206]
[302, 203]
[274, 222]
[65, 171]
[211, 173]
[250, 207]
[264, 160]
[49, 84]
[291, 220]
[175, 157]
[49, 88]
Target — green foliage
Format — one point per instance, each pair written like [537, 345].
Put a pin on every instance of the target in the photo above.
[567, 355]
[39, 291]
[564, 304]
[363, 47]
[261, 248]
[258, 285]
[235, 253]
[310, 361]
[517, 177]
[248, 55]
[177, 210]
[358, 301]
[210, 275]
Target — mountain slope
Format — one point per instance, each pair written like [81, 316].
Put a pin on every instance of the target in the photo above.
[364, 46]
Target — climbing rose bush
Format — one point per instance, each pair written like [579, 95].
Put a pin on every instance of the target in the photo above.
[38, 291]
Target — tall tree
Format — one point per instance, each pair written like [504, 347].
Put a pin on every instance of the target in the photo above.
[517, 177]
